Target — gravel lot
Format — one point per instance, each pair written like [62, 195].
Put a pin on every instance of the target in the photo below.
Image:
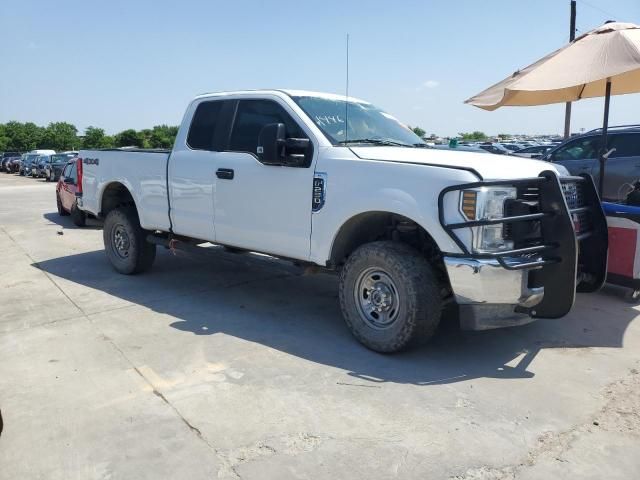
[238, 366]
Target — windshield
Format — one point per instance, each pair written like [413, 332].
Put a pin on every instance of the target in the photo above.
[366, 123]
[31, 157]
[61, 158]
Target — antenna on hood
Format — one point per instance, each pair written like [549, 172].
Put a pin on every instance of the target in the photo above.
[346, 98]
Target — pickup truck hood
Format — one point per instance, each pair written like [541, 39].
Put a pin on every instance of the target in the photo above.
[489, 166]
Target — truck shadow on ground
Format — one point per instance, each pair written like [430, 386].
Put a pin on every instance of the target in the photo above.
[66, 222]
[270, 302]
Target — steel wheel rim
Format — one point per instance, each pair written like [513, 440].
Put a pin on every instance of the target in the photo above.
[377, 299]
[120, 240]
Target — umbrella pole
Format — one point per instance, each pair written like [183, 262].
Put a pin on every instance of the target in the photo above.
[605, 127]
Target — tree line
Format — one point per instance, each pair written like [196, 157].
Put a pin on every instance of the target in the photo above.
[60, 136]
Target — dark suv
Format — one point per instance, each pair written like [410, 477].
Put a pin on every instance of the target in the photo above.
[580, 154]
[5, 159]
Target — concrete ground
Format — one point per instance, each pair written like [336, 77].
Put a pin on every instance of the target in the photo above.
[234, 366]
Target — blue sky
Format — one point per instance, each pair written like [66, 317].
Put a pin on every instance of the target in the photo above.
[134, 64]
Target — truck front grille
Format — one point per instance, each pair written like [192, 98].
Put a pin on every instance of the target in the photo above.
[574, 196]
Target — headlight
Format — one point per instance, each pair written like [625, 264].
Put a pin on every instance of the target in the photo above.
[486, 203]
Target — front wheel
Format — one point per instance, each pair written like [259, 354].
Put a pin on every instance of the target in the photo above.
[390, 297]
[125, 242]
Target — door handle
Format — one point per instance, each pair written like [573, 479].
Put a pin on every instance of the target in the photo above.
[225, 173]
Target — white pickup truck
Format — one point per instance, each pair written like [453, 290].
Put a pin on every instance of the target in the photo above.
[339, 184]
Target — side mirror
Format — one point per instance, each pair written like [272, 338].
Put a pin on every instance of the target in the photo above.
[271, 142]
[275, 149]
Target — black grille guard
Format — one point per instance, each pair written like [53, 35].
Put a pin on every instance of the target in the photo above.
[563, 262]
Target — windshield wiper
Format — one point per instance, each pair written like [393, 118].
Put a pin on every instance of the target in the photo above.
[375, 141]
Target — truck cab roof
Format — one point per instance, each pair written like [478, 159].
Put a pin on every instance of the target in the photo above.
[280, 92]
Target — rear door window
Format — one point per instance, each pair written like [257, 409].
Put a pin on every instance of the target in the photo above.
[626, 145]
[252, 116]
[203, 126]
[72, 172]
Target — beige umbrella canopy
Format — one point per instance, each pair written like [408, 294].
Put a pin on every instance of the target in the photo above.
[602, 62]
[578, 70]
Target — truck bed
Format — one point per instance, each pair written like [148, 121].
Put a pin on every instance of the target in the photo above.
[142, 171]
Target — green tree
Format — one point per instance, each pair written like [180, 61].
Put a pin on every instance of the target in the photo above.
[162, 136]
[22, 136]
[419, 132]
[475, 136]
[129, 138]
[60, 136]
[4, 139]
[94, 137]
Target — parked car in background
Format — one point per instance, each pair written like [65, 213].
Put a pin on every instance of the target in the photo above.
[461, 148]
[580, 154]
[66, 190]
[56, 163]
[40, 165]
[494, 148]
[537, 151]
[5, 158]
[7, 163]
[14, 164]
[28, 164]
[512, 147]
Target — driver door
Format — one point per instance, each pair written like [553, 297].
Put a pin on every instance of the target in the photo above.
[259, 207]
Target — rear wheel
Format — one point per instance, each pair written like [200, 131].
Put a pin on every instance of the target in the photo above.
[61, 211]
[78, 217]
[125, 242]
[390, 297]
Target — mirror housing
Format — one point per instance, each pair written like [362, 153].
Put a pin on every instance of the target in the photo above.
[271, 142]
[275, 149]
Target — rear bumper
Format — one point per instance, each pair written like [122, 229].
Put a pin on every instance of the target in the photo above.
[563, 250]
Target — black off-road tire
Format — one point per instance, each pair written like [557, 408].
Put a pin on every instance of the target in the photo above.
[140, 254]
[61, 211]
[78, 217]
[419, 301]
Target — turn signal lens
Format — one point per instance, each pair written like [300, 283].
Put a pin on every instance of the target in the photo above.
[468, 206]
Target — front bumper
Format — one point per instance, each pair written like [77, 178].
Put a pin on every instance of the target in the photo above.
[560, 247]
[490, 296]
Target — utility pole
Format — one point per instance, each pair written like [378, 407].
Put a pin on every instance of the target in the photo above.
[572, 36]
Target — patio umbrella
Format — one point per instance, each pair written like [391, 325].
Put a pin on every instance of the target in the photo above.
[600, 63]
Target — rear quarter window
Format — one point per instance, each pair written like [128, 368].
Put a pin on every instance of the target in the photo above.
[203, 126]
